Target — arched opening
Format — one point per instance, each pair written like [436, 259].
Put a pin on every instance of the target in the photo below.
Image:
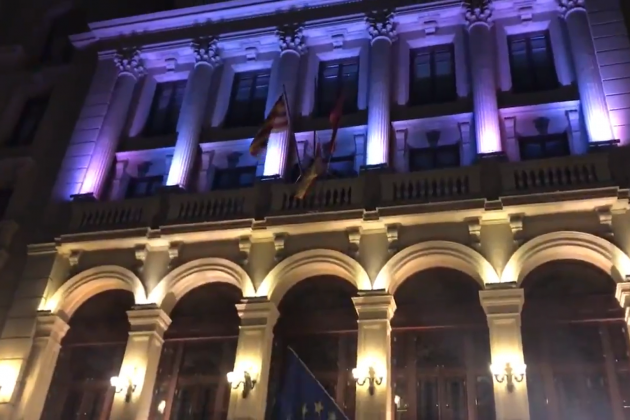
[575, 344]
[319, 322]
[91, 353]
[441, 349]
[199, 350]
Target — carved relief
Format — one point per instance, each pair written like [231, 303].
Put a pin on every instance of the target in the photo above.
[128, 61]
[565, 6]
[206, 51]
[478, 11]
[381, 24]
[291, 38]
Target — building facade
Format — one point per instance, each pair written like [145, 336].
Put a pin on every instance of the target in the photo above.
[466, 256]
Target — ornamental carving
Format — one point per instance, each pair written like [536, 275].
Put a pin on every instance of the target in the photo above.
[478, 11]
[291, 38]
[565, 6]
[380, 23]
[206, 51]
[128, 61]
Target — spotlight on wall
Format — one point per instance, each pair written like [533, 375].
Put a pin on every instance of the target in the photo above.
[368, 374]
[245, 378]
[124, 384]
[508, 374]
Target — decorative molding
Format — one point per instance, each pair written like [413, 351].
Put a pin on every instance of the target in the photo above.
[526, 14]
[474, 232]
[337, 41]
[206, 51]
[74, 257]
[430, 27]
[170, 64]
[251, 53]
[392, 239]
[478, 11]
[278, 242]
[244, 248]
[605, 216]
[567, 6]
[380, 24]
[129, 61]
[174, 249]
[516, 226]
[291, 38]
[354, 240]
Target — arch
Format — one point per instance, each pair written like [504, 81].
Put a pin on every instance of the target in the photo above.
[567, 245]
[314, 262]
[74, 292]
[197, 273]
[422, 256]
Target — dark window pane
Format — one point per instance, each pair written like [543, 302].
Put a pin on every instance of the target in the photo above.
[26, 127]
[249, 99]
[539, 147]
[234, 178]
[335, 78]
[167, 102]
[144, 187]
[341, 167]
[432, 75]
[434, 158]
[531, 63]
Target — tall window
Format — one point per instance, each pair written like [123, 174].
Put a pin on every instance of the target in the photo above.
[531, 63]
[234, 178]
[336, 78]
[439, 157]
[249, 99]
[432, 75]
[144, 186]
[547, 146]
[57, 48]
[167, 102]
[26, 127]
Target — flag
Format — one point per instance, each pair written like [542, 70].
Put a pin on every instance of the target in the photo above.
[277, 120]
[335, 120]
[311, 174]
[302, 397]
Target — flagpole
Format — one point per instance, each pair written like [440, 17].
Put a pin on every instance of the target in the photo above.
[291, 133]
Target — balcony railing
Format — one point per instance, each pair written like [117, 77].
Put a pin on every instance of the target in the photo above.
[367, 191]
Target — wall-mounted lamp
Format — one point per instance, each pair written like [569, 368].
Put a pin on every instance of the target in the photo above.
[246, 378]
[124, 384]
[369, 375]
[508, 374]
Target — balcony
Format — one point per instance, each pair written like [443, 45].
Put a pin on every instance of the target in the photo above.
[370, 190]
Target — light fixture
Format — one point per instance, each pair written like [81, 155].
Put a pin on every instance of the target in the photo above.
[508, 374]
[123, 384]
[246, 378]
[369, 375]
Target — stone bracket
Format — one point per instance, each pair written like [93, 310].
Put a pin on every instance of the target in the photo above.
[354, 240]
[392, 239]
[244, 248]
[474, 232]
[174, 249]
[278, 242]
[605, 216]
[516, 225]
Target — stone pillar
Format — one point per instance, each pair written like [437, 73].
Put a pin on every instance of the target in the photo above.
[253, 354]
[589, 80]
[140, 363]
[486, 111]
[49, 331]
[383, 34]
[375, 310]
[193, 111]
[130, 70]
[292, 47]
[503, 309]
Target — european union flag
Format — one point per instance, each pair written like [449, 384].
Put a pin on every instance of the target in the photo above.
[302, 397]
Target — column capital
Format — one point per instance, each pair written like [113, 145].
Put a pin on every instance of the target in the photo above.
[50, 325]
[206, 51]
[257, 312]
[478, 12]
[374, 306]
[567, 6]
[291, 38]
[380, 24]
[502, 301]
[128, 61]
[148, 319]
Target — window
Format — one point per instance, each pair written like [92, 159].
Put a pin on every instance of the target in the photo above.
[144, 186]
[531, 63]
[26, 127]
[425, 159]
[58, 49]
[167, 102]
[336, 78]
[539, 147]
[249, 99]
[432, 75]
[341, 167]
[5, 199]
[234, 178]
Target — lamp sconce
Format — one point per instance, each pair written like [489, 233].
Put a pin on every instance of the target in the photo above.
[122, 384]
[508, 374]
[246, 378]
[367, 375]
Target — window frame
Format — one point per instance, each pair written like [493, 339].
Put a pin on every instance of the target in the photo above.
[536, 85]
[434, 153]
[159, 122]
[416, 99]
[239, 118]
[151, 180]
[350, 105]
[236, 173]
[30, 105]
[542, 140]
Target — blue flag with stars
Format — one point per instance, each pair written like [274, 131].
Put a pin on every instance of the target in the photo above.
[302, 397]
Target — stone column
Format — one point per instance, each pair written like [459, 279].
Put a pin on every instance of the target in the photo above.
[486, 111]
[382, 31]
[192, 112]
[253, 355]
[49, 331]
[292, 47]
[503, 309]
[589, 80]
[375, 310]
[140, 363]
[130, 70]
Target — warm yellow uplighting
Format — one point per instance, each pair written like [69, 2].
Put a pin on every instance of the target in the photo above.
[8, 378]
[246, 378]
[124, 383]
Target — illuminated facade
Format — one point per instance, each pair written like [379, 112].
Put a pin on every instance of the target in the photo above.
[470, 246]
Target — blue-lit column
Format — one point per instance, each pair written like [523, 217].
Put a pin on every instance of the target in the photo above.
[486, 110]
[292, 47]
[589, 80]
[130, 70]
[382, 31]
[192, 112]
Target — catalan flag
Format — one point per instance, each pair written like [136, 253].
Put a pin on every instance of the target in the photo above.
[277, 120]
[335, 120]
[311, 174]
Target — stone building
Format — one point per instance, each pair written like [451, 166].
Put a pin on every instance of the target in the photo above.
[466, 256]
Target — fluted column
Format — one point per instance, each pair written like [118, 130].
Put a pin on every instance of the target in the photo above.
[130, 70]
[382, 31]
[503, 309]
[140, 363]
[292, 47]
[486, 111]
[589, 80]
[192, 112]
[375, 310]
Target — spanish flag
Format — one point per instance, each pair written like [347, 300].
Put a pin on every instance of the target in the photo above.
[335, 120]
[277, 120]
[310, 175]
